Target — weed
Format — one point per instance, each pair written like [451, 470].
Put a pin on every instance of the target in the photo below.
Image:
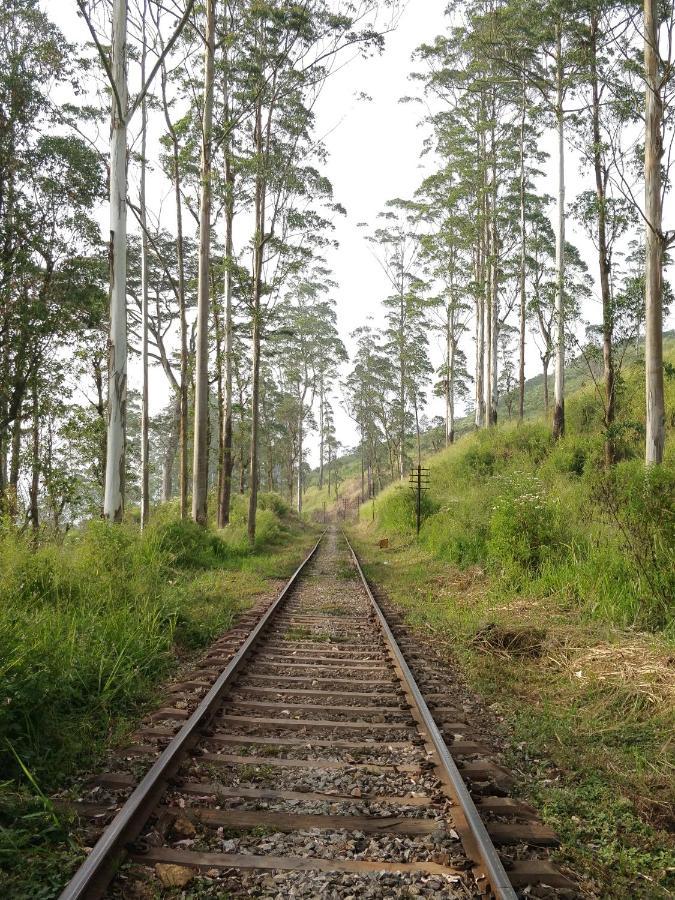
[299, 633]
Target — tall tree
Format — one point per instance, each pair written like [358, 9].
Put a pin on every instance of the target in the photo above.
[122, 111]
[654, 238]
[200, 462]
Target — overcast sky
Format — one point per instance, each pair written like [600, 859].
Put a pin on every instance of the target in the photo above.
[374, 155]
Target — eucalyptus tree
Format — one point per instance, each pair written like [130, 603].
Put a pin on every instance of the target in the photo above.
[288, 52]
[538, 46]
[167, 302]
[201, 453]
[50, 180]
[446, 250]
[370, 400]
[176, 162]
[114, 63]
[397, 248]
[309, 347]
[480, 135]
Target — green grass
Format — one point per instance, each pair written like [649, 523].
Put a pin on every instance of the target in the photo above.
[89, 627]
[553, 581]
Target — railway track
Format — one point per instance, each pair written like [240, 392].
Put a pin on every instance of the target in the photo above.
[302, 760]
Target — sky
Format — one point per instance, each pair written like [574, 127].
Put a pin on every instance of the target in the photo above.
[374, 155]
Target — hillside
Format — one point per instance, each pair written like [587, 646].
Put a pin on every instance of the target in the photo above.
[552, 581]
[581, 403]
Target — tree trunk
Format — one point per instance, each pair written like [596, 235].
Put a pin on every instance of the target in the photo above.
[97, 366]
[559, 409]
[113, 502]
[226, 492]
[487, 320]
[200, 461]
[603, 255]
[448, 365]
[145, 416]
[494, 279]
[401, 390]
[321, 431]
[655, 406]
[255, 400]
[15, 465]
[480, 349]
[480, 263]
[523, 298]
[170, 455]
[33, 490]
[450, 436]
[256, 323]
[180, 258]
[546, 400]
[218, 377]
[300, 449]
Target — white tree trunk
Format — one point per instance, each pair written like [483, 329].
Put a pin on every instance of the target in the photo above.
[300, 429]
[113, 500]
[145, 416]
[559, 391]
[448, 365]
[480, 350]
[200, 463]
[523, 264]
[655, 408]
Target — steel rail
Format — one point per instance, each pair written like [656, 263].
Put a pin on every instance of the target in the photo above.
[489, 858]
[92, 878]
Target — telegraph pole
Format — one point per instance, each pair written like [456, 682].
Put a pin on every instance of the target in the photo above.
[419, 482]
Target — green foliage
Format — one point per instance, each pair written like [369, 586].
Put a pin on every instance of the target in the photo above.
[188, 545]
[639, 504]
[457, 534]
[525, 528]
[87, 626]
[546, 519]
[398, 513]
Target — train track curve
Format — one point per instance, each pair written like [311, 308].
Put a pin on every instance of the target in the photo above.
[303, 760]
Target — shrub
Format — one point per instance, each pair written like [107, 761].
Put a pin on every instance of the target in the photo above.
[639, 504]
[478, 461]
[398, 510]
[571, 455]
[457, 534]
[274, 502]
[188, 545]
[525, 528]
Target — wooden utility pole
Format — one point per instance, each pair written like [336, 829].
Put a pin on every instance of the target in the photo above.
[419, 482]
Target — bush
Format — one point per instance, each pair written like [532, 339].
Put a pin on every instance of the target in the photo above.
[639, 504]
[457, 534]
[275, 503]
[398, 510]
[525, 528]
[188, 545]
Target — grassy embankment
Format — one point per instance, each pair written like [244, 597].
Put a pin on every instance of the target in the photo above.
[89, 627]
[553, 584]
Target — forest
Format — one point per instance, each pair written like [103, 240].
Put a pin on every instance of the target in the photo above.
[183, 396]
[224, 285]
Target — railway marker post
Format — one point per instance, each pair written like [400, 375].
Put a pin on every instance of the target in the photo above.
[420, 478]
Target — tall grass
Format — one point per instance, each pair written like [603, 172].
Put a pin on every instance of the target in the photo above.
[89, 624]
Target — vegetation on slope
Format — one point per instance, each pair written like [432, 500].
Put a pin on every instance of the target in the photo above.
[90, 625]
[554, 582]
